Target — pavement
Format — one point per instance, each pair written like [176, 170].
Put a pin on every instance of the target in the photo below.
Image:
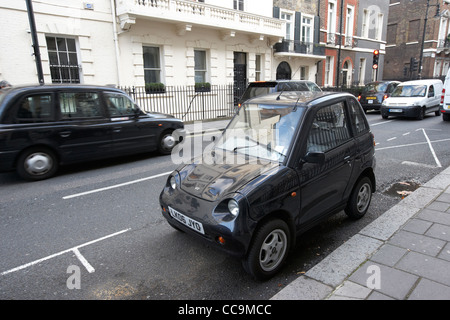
[402, 255]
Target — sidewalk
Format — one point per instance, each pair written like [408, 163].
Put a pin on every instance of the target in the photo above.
[403, 255]
[199, 127]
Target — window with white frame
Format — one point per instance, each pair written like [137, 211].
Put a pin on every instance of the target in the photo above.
[63, 60]
[288, 17]
[349, 25]
[152, 64]
[304, 73]
[258, 68]
[201, 69]
[331, 29]
[362, 71]
[379, 26]
[328, 71]
[238, 5]
[307, 32]
[365, 24]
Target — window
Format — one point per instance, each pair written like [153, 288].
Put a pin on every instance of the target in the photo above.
[288, 18]
[119, 105]
[365, 24]
[307, 32]
[328, 71]
[379, 26]
[329, 129]
[359, 123]
[36, 108]
[413, 30]
[152, 65]
[331, 22]
[349, 26]
[79, 105]
[200, 66]
[238, 5]
[63, 59]
[304, 73]
[258, 70]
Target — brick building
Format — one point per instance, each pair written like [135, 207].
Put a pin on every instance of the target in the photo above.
[405, 34]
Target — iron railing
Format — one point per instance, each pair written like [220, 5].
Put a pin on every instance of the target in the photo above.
[185, 103]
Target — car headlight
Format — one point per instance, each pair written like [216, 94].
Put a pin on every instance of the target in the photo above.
[174, 181]
[233, 207]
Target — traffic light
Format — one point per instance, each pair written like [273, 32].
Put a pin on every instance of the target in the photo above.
[414, 65]
[376, 55]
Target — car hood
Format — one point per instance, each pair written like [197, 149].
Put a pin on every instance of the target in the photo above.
[213, 179]
[402, 100]
[158, 115]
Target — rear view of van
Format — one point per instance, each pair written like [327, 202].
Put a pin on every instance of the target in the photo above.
[445, 99]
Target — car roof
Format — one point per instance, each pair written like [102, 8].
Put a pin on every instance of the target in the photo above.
[299, 98]
[423, 82]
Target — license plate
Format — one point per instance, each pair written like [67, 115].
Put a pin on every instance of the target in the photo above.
[191, 223]
[370, 101]
[395, 110]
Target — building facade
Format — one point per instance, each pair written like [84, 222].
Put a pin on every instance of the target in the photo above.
[406, 37]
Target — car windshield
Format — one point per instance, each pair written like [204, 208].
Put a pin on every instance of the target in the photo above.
[375, 87]
[261, 131]
[409, 91]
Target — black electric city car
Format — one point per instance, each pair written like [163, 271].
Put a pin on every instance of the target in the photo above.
[44, 126]
[285, 162]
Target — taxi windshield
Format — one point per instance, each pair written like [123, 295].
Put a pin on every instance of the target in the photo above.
[262, 131]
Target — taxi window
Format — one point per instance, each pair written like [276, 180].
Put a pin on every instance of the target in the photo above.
[75, 105]
[119, 104]
[35, 108]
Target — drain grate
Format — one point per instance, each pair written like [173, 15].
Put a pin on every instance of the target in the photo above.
[402, 189]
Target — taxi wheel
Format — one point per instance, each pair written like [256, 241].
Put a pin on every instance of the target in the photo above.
[359, 200]
[37, 164]
[268, 251]
[166, 142]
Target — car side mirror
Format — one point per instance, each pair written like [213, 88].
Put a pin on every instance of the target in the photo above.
[315, 157]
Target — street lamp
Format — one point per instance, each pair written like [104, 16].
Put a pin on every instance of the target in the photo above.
[34, 38]
[438, 13]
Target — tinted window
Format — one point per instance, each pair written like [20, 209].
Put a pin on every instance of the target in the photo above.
[35, 108]
[118, 104]
[329, 128]
[80, 105]
[357, 117]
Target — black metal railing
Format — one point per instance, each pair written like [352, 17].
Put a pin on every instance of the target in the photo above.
[294, 46]
[185, 102]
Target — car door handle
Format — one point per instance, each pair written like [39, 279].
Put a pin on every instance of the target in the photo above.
[65, 134]
[117, 129]
[347, 159]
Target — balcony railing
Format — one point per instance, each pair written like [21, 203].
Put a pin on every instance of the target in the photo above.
[300, 47]
[197, 13]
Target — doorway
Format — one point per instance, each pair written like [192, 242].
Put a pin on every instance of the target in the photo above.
[240, 75]
[284, 71]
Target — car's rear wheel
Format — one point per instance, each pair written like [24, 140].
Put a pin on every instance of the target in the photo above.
[37, 164]
[360, 198]
[269, 249]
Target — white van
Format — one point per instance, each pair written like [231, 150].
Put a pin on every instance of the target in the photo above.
[413, 99]
[445, 99]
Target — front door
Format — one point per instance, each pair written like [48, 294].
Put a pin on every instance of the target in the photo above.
[323, 185]
[240, 75]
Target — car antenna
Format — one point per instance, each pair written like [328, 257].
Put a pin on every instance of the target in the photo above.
[278, 98]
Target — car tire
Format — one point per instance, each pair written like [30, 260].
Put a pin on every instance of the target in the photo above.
[166, 142]
[446, 116]
[37, 164]
[360, 198]
[268, 250]
[421, 115]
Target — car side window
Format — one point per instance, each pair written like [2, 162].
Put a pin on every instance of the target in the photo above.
[35, 108]
[75, 105]
[329, 129]
[431, 91]
[119, 105]
[358, 120]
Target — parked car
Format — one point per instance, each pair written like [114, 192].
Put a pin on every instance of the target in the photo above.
[374, 93]
[413, 99]
[284, 163]
[42, 127]
[444, 106]
[259, 88]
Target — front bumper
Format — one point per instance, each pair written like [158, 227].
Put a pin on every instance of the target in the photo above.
[408, 111]
[235, 233]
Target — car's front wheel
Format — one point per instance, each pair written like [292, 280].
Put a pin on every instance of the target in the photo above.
[360, 198]
[269, 249]
[166, 142]
[37, 164]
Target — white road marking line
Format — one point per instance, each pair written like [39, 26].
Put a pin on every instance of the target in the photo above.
[378, 123]
[418, 164]
[83, 260]
[392, 139]
[116, 186]
[61, 253]
[407, 133]
[438, 163]
[411, 144]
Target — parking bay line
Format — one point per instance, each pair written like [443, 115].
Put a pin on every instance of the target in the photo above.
[117, 185]
[75, 250]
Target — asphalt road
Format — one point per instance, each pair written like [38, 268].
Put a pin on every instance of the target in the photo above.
[95, 231]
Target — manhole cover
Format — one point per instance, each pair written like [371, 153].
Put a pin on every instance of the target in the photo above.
[402, 189]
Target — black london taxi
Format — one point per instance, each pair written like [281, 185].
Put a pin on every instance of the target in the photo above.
[44, 126]
[285, 162]
[374, 93]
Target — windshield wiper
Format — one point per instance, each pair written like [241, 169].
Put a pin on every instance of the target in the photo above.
[242, 147]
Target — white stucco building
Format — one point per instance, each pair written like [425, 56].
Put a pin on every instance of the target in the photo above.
[133, 42]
